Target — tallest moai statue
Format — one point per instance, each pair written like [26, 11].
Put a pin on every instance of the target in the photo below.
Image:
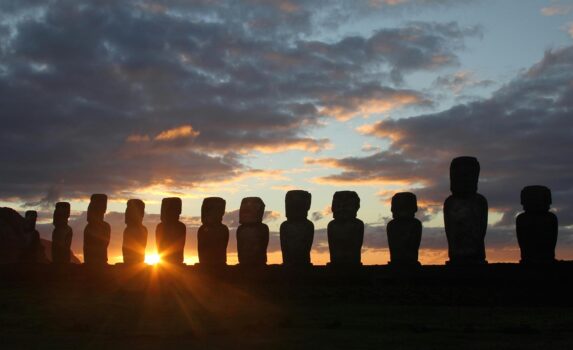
[465, 213]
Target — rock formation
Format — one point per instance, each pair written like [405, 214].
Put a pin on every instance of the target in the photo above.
[213, 236]
[170, 233]
[33, 251]
[97, 232]
[465, 214]
[135, 234]
[345, 232]
[297, 232]
[62, 234]
[252, 234]
[537, 226]
[404, 230]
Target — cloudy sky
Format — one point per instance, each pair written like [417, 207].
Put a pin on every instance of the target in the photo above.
[236, 98]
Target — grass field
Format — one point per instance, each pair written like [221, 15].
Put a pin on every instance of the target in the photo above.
[502, 307]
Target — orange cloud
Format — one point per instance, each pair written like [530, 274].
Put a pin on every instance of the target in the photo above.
[309, 145]
[166, 135]
[377, 130]
[377, 103]
[287, 6]
[556, 10]
[138, 138]
[282, 60]
[371, 181]
[285, 188]
[177, 133]
[358, 177]
[378, 3]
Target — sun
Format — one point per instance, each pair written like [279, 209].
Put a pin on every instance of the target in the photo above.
[152, 259]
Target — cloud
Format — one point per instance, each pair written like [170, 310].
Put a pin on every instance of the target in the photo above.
[120, 96]
[557, 10]
[460, 81]
[366, 147]
[177, 133]
[521, 135]
[368, 101]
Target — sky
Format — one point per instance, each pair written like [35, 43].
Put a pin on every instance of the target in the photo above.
[238, 98]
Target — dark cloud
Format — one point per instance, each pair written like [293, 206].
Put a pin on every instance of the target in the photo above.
[121, 95]
[316, 216]
[522, 135]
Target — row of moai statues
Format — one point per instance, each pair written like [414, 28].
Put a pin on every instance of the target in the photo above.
[465, 218]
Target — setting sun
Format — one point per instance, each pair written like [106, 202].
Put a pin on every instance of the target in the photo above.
[152, 259]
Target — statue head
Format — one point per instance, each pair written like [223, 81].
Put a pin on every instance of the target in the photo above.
[97, 207]
[536, 198]
[251, 211]
[61, 213]
[404, 205]
[464, 175]
[31, 216]
[134, 212]
[212, 210]
[171, 209]
[345, 205]
[297, 203]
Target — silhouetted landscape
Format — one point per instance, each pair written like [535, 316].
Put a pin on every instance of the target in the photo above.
[294, 305]
[286, 174]
[503, 305]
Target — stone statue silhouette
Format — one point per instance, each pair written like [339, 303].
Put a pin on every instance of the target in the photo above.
[537, 226]
[97, 232]
[170, 233]
[404, 230]
[345, 232]
[33, 250]
[62, 234]
[297, 232]
[213, 235]
[252, 234]
[135, 234]
[465, 214]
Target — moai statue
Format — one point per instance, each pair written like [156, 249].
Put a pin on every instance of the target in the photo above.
[62, 234]
[252, 234]
[135, 234]
[537, 226]
[33, 250]
[297, 232]
[170, 232]
[345, 232]
[213, 236]
[465, 214]
[404, 230]
[97, 232]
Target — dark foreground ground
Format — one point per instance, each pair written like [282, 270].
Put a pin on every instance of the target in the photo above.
[500, 306]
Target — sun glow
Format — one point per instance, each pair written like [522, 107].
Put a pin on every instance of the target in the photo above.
[152, 259]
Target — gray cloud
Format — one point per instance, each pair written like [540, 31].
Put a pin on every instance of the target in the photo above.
[460, 81]
[522, 136]
[88, 89]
